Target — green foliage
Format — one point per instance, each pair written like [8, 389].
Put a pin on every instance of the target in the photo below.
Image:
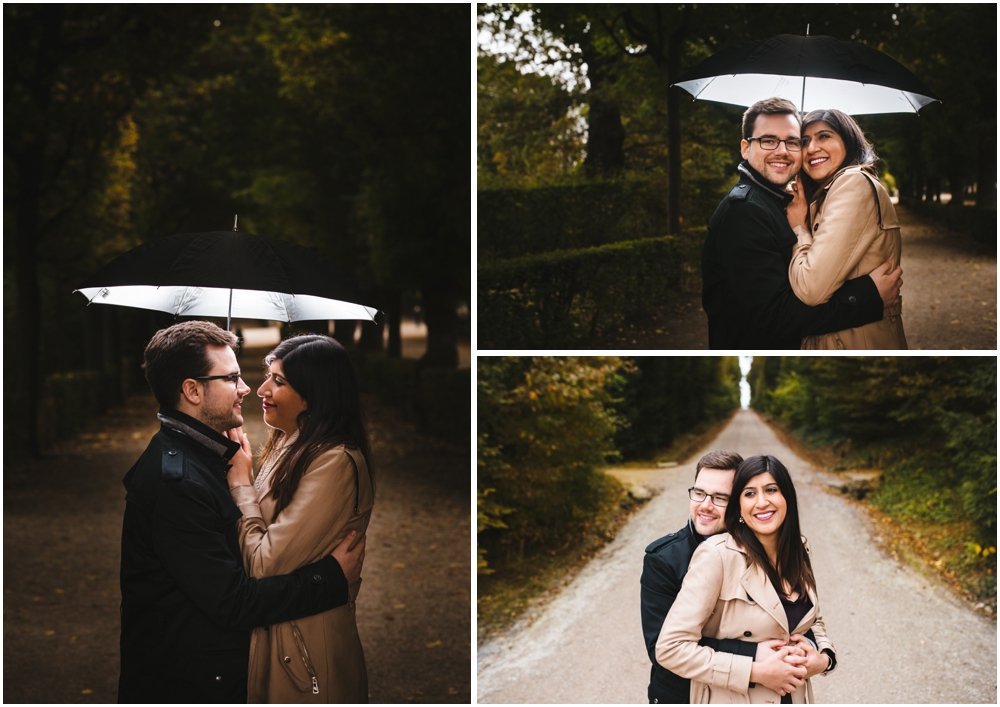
[929, 421]
[666, 396]
[568, 298]
[515, 222]
[544, 426]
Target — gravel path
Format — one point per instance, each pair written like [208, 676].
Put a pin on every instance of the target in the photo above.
[62, 534]
[949, 288]
[949, 297]
[900, 637]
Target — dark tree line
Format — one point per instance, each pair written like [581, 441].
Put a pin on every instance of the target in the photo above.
[336, 126]
[635, 123]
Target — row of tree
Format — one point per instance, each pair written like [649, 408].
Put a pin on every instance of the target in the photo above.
[336, 126]
[608, 108]
[547, 424]
[929, 422]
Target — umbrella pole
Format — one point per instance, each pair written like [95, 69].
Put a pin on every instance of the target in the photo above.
[229, 314]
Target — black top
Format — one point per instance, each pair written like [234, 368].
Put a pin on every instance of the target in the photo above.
[187, 604]
[746, 293]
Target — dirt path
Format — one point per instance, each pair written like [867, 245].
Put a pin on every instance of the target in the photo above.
[62, 531]
[900, 637]
[949, 296]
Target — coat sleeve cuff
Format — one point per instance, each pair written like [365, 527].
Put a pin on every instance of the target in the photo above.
[732, 672]
[245, 497]
[803, 234]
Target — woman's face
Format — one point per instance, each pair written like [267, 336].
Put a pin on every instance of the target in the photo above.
[824, 153]
[282, 404]
[762, 505]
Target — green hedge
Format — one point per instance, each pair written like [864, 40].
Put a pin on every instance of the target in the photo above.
[571, 297]
[516, 222]
[981, 224]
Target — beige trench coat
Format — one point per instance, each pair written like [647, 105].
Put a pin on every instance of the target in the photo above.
[317, 658]
[724, 598]
[854, 230]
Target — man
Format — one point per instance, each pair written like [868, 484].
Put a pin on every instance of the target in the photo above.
[663, 569]
[746, 293]
[187, 604]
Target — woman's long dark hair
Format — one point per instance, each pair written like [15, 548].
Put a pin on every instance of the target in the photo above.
[319, 370]
[857, 148]
[793, 561]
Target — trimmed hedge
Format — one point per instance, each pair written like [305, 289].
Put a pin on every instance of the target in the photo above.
[570, 298]
[516, 222]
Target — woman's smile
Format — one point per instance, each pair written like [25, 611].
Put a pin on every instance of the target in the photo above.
[824, 151]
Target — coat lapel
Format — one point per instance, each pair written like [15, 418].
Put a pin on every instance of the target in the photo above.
[757, 586]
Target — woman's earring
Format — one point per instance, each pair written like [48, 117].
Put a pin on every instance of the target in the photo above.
[742, 521]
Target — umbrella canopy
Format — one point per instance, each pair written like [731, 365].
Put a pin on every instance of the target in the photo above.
[226, 274]
[811, 72]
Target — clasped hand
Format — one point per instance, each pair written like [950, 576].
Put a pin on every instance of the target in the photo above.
[783, 666]
[241, 471]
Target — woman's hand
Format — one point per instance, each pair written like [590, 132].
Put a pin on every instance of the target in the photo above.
[816, 662]
[798, 210]
[240, 473]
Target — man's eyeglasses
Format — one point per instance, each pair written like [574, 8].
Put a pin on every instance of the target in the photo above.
[792, 144]
[698, 495]
[233, 378]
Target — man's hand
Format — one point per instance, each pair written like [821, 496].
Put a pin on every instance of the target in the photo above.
[798, 210]
[240, 474]
[816, 662]
[351, 559]
[888, 283]
[778, 667]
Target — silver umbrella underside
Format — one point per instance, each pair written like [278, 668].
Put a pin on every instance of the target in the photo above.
[223, 302]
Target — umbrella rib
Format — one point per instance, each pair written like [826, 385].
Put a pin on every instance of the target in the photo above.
[704, 88]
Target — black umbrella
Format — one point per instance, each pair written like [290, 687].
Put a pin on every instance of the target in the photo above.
[227, 273]
[812, 73]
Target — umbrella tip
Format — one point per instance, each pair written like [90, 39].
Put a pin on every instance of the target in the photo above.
[807, 30]
[235, 218]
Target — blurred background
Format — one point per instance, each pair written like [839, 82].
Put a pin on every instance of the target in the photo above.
[339, 127]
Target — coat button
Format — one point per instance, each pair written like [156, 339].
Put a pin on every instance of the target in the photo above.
[317, 578]
[172, 453]
[816, 227]
[288, 659]
[218, 678]
[747, 634]
[852, 299]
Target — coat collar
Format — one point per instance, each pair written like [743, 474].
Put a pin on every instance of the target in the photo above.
[757, 586]
[198, 431]
[749, 173]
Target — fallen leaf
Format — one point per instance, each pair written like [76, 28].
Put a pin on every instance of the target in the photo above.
[50, 633]
[434, 644]
[398, 566]
[399, 606]
[452, 691]
[86, 691]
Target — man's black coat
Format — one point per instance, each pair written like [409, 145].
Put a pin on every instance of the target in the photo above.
[187, 605]
[746, 292]
[663, 569]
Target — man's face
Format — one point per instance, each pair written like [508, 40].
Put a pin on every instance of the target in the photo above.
[708, 518]
[776, 166]
[222, 402]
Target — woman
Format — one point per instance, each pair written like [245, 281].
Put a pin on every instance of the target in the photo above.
[314, 487]
[853, 226]
[754, 583]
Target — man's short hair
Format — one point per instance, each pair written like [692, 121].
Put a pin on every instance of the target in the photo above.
[180, 352]
[768, 106]
[721, 460]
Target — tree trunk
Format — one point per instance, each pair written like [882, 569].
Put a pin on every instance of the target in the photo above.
[442, 328]
[986, 173]
[674, 123]
[393, 313]
[605, 132]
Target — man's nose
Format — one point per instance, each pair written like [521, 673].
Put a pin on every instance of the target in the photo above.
[242, 388]
[706, 504]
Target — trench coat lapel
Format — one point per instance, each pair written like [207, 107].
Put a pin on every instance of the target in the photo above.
[756, 585]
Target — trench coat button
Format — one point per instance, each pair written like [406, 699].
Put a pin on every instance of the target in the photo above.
[816, 227]
[747, 634]
[218, 678]
[288, 659]
[317, 578]
[852, 299]
[172, 453]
